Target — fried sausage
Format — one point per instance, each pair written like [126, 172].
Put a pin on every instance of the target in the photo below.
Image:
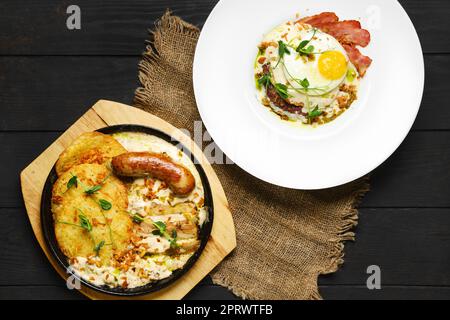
[160, 166]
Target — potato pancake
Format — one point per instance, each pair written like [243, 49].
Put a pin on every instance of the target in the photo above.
[90, 147]
[89, 208]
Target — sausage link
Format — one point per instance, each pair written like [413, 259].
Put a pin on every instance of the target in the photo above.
[139, 164]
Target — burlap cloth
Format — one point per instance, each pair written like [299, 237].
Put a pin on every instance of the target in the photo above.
[285, 238]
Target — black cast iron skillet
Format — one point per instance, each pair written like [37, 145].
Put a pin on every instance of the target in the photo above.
[204, 233]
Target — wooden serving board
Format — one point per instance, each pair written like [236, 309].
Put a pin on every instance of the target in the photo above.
[106, 113]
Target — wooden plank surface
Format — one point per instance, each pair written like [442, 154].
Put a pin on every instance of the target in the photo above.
[413, 250]
[31, 83]
[110, 27]
[116, 27]
[423, 259]
[415, 176]
[49, 76]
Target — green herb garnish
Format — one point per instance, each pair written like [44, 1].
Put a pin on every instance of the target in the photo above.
[160, 226]
[85, 223]
[303, 47]
[282, 90]
[137, 218]
[314, 113]
[264, 81]
[305, 83]
[302, 44]
[161, 230]
[106, 205]
[282, 49]
[98, 247]
[92, 190]
[73, 182]
[173, 241]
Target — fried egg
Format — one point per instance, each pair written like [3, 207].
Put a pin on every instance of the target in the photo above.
[313, 66]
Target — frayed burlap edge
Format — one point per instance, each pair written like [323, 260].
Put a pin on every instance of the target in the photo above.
[151, 56]
[349, 217]
[344, 232]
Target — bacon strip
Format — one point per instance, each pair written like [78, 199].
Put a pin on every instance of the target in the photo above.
[324, 17]
[348, 32]
[361, 62]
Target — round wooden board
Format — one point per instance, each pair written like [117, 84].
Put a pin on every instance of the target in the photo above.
[106, 113]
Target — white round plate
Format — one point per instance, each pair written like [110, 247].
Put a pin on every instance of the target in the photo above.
[293, 156]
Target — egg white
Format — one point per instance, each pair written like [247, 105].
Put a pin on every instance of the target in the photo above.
[293, 67]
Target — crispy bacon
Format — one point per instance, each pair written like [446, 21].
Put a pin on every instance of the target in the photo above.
[349, 33]
[318, 19]
[361, 62]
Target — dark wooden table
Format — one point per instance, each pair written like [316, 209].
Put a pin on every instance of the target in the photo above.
[49, 76]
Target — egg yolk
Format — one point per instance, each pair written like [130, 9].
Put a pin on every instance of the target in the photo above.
[332, 65]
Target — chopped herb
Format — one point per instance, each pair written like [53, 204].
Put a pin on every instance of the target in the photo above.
[314, 113]
[264, 81]
[302, 44]
[72, 182]
[305, 83]
[92, 190]
[173, 243]
[106, 205]
[162, 231]
[282, 49]
[98, 247]
[161, 226]
[303, 47]
[137, 218]
[85, 223]
[282, 90]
